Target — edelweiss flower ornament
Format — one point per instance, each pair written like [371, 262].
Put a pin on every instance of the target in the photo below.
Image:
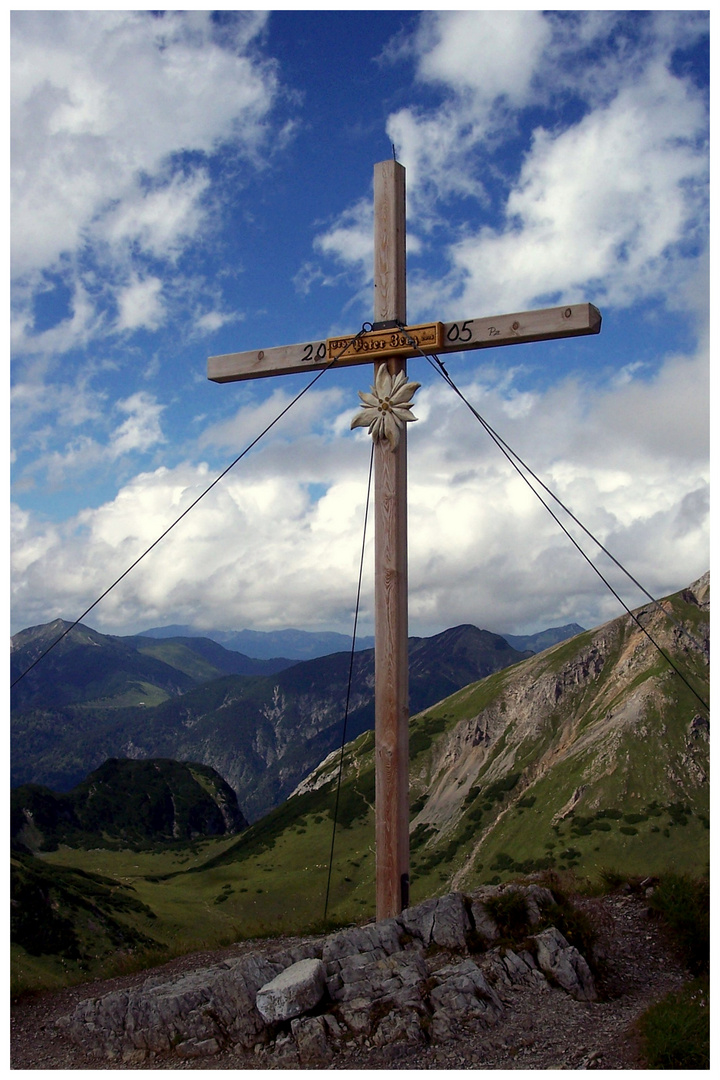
[387, 407]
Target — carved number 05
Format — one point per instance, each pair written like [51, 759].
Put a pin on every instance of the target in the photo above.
[460, 333]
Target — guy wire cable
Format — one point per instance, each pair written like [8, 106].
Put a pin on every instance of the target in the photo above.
[440, 368]
[510, 454]
[514, 458]
[508, 451]
[364, 329]
[349, 684]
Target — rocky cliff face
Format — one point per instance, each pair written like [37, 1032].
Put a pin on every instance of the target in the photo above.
[595, 739]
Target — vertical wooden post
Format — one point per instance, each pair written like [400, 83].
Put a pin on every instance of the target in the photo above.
[391, 584]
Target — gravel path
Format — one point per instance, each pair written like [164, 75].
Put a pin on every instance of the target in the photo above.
[540, 1030]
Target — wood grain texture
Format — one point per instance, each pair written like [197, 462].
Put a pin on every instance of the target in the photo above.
[389, 190]
[515, 328]
[261, 363]
[520, 327]
[392, 829]
[391, 674]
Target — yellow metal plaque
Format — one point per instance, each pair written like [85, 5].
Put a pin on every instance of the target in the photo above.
[378, 343]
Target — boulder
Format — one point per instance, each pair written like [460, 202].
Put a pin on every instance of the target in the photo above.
[203, 1011]
[392, 983]
[293, 992]
[378, 938]
[565, 965]
[485, 925]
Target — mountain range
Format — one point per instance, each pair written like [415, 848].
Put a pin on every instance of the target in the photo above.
[269, 644]
[308, 645]
[590, 758]
[95, 696]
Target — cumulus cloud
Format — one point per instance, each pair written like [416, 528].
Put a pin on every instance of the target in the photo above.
[264, 550]
[608, 202]
[89, 440]
[71, 406]
[611, 205]
[159, 221]
[106, 107]
[116, 118]
[487, 60]
[491, 53]
[141, 429]
[313, 410]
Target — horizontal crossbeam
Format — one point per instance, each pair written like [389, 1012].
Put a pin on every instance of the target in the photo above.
[577, 320]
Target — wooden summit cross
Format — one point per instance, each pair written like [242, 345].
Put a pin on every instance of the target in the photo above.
[388, 348]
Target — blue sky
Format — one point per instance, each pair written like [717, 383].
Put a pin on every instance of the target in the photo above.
[190, 184]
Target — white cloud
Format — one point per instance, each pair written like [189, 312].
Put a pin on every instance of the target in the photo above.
[140, 305]
[210, 321]
[352, 234]
[142, 428]
[492, 53]
[83, 323]
[105, 106]
[606, 206]
[73, 405]
[313, 410]
[260, 551]
[613, 203]
[485, 63]
[254, 551]
[480, 542]
[81, 439]
[160, 221]
[610, 206]
[350, 241]
[100, 98]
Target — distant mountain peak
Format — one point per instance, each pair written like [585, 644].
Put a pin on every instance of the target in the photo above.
[544, 639]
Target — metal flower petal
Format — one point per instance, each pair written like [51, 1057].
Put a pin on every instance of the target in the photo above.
[387, 407]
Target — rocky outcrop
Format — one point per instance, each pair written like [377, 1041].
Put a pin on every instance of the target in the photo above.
[410, 979]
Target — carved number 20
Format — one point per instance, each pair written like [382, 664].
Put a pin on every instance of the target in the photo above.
[460, 333]
[307, 355]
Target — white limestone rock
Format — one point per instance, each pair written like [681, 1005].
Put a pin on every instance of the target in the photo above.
[293, 992]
